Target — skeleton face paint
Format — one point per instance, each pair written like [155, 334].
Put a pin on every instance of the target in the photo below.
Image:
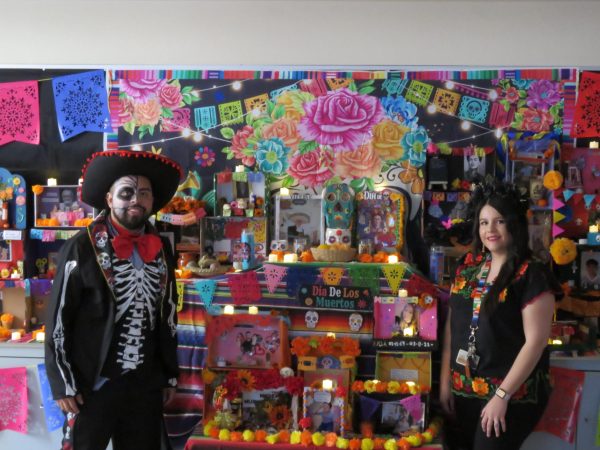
[130, 200]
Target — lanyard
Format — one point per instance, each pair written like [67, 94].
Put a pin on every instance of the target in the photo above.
[478, 293]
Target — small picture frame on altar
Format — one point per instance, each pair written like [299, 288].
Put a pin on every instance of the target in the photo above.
[298, 216]
[589, 270]
[60, 206]
[325, 411]
[5, 250]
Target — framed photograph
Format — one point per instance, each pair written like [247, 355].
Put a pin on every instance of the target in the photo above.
[5, 250]
[59, 206]
[536, 188]
[589, 273]
[325, 411]
[474, 166]
[404, 366]
[390, 413]
[396, 417]
[298, 217]
[267, 408]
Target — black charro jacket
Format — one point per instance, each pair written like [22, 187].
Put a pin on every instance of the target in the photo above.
[81, 318]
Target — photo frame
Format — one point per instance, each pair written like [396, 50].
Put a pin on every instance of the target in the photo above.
[390, 413]
[474, 166]
[60, 206]
[267, 408]
[404, 366]
[589, 269]
[5, 251]
[325, 410]
[298, 216]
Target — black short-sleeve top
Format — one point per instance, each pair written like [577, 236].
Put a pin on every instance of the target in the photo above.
[500, 335]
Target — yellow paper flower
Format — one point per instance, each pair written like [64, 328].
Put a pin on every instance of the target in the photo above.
[367, 444]
[390, 444]
[248, 436]
[16, 181]
[342, 443]
[318, 439]
[369, 386]
[295, 437]
[224, 434]
[272, 439]
[393, 387]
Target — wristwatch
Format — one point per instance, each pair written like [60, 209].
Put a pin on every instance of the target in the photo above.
[502, 394]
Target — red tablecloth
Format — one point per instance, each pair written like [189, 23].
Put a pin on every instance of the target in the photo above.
[197, 442]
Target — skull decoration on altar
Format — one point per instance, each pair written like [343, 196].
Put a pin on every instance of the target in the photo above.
[311, 318]
[355, 321]
[338, 209]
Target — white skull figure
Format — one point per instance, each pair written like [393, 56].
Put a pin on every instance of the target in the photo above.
[338, 236]
[286, 372]
[311, 318]
[104, 260]
[101, 239]
[355, 321]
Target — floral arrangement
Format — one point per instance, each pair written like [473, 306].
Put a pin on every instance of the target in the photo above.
[244, 380]
[180, 205]
[388, 387]
[563, 251]
[325, 346]
[307, 438]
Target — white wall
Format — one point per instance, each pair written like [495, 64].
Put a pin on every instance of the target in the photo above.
[208, 33]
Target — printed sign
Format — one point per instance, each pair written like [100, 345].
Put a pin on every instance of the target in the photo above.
[336, 297]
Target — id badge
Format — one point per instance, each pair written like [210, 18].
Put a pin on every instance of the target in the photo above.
[463, 357]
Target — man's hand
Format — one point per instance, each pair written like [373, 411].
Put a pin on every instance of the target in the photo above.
[70, 404]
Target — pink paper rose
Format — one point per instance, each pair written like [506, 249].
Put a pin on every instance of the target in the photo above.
[142, 90]
[312, 168]
[340, 119]
[362, 162]
[170, 96]
[240, 142]
[147, 113]
[124, 112]
[284, 129]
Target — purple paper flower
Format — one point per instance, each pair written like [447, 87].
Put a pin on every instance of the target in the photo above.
[204, 157]
[341, 119]
[543, 94]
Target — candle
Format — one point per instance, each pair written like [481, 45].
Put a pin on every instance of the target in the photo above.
[331, 335]
[284, 192]
[393, 259]
[16, 335]
[228, 309]
[408, 331]
[593, 228]
[273, 257]
[51, 182]
[327, 384]
[290, 258]
[594, 144]
[80, 181]
[240, 168]
[40, 336]
[253, 310]
[402, 293]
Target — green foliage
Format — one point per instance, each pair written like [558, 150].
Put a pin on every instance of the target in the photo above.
[307, 146]
[227, 132]
[129, 127]
[288, 181]
[166, 113]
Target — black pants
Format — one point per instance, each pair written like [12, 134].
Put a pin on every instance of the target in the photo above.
[521, 419]
[122, 410]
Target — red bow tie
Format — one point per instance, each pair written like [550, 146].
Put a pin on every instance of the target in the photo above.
[147, 245]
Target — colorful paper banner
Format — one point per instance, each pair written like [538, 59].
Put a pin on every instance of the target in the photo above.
[332, 275]
[273, 276]
[81, 103]
[568, 193]
[244, 287]
[393, 274]
[297, 276]
[54, 415]
[557, 204]
[13, 399]
[365, 277]
[414, 406]
[556, 230]
[588, 199]
[23, 122]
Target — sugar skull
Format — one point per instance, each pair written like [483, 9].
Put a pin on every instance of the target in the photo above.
[338, 235]
[338, 206]
[101, 239]
[311, 318]
[355, 321]
[104, 260]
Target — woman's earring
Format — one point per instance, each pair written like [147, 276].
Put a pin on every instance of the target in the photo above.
[482, 247]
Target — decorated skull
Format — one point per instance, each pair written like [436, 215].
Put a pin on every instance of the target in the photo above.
[104, 260]
[101, 239]
[355, 320]
[311, 318]
[286, 372]
[338, 206]
[338, 235]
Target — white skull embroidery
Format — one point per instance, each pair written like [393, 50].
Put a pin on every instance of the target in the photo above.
[311, 318]
[101, 239]
[355, 321]
[104, 260]
[286, 372]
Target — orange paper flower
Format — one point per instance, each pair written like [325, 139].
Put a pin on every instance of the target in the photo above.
[37, 189]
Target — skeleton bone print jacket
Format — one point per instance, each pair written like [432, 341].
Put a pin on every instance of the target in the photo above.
[84, 307]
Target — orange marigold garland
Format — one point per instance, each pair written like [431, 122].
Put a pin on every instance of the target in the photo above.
[325, 346]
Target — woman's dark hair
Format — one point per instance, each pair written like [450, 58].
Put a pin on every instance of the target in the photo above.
[508, 201]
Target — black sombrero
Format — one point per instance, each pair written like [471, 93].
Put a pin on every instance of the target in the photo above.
[102, 169]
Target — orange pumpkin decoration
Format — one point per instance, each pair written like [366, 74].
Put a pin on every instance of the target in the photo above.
[542, 202]
[284, 436]
[307, 256]
[365, 258]
[236, 436]
[260, 435]
[354, 444]
[403, 444]
[553, 180]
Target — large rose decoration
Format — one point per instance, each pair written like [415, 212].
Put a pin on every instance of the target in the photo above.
[147, 113]
[170, 96]
[313, 168]
[543, 94]
[285, 129]
[239, 145]
[386, 140]
[142, 90]
[341, 119]
[536, 120]
[359, 163]
[292, 102]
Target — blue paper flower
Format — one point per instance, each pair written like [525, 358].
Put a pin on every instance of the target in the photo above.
[415, 146]
[400, 110]
[271, 156]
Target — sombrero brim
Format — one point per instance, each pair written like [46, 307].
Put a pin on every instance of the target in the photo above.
[104, 168]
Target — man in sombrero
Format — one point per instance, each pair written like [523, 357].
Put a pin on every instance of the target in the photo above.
[111, 347]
